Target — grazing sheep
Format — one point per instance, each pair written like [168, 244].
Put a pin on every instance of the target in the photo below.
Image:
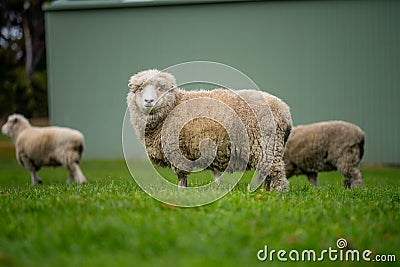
[326, 146]
[155, 103]
[45, 146]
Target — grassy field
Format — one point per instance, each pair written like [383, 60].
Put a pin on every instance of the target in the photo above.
[112, 222]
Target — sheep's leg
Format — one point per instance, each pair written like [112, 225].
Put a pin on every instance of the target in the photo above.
[289, 169]
[352, 177]
[35, 178]
[27, 163]
[313, 178]
[217, 177]
[266, 183]
[182, 180]
[278, 179]
[357, 179]
[182, 177]
[277, 176]
[348, 166]
[75, 173]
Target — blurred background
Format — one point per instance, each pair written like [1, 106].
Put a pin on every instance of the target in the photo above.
[23, 81]
[327, 59]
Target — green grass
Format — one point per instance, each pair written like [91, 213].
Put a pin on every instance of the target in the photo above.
[112, 222]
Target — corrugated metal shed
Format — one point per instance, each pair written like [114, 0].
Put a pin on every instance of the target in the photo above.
[326, 59]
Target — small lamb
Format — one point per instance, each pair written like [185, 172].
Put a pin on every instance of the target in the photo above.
[326, 146]
[45, 146]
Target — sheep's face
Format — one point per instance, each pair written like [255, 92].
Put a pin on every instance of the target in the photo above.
[14, 124]
[152, 91]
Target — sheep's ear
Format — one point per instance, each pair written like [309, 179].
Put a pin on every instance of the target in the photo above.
[133, 85]
[170, 80]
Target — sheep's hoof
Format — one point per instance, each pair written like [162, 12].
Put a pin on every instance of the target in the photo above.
[356, 184]
[38, 182]
[280, 186]
[182, 182]
[181, 187]
[280, 189]
[346, 183]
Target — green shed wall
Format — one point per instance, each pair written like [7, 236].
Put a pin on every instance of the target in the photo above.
[326, 59]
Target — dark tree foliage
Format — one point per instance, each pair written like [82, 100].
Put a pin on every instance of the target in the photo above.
[23, 86]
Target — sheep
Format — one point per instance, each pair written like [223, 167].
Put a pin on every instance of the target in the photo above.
[154, 99]
[326, 146]
[45, 146]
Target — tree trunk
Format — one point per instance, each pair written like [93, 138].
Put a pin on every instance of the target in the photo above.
[28, 46]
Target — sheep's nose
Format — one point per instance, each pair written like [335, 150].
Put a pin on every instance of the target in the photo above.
[149, 101]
